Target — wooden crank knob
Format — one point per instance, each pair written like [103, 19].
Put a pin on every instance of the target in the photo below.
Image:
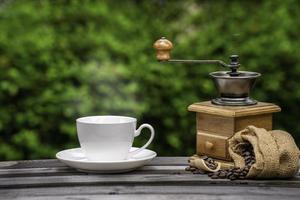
[209, 145]
[163, 48]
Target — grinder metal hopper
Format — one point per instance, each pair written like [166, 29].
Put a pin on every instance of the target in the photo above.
[233, 86]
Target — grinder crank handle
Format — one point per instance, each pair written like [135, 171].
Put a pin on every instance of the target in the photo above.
[164, 46]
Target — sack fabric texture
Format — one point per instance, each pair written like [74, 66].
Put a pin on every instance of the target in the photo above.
[277, 155]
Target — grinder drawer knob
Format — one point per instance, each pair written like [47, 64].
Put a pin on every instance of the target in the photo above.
[209, 145]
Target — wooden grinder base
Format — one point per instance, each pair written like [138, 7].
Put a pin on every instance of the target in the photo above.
[215, 124]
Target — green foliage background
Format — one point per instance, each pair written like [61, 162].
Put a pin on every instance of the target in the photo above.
[60, 60]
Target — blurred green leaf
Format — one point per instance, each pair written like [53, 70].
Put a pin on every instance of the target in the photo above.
[60, 60]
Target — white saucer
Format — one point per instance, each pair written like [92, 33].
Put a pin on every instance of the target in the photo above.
[75, 158]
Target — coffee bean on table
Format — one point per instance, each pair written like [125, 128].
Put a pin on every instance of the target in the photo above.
[210, 174]
[199, 171]
[222, 175]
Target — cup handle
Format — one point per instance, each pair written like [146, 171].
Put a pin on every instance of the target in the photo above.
[137, 133]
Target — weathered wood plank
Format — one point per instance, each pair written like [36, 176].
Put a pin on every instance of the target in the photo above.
[163, 178]
[46, 171]
[131, 179]
[160, 197]
[70, 171]
[51, 163]
[151, 189]
[31, 164]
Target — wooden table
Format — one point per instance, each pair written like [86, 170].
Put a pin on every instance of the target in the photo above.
[163, 178]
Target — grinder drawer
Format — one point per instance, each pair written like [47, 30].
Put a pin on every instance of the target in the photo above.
[212, 145]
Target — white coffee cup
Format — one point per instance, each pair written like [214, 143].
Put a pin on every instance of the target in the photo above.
[109, 138]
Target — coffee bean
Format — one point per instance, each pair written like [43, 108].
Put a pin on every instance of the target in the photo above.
[210, 174]
[210, 164]
[243, 174]
[235, 174]
[222, 175]
[198, 172]
[241, 177]
[230, 177]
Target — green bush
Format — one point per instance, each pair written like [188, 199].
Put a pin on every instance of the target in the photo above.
[60, 60]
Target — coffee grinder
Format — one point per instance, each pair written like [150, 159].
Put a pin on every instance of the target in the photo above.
[218, 119]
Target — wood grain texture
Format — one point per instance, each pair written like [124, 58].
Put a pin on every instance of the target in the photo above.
[62, 171]
[234, 111]
[218, 123]
[260, 121]
[158, 191]
[163, 178]
[136, 179]
[227, 126]
[51, 163]
[215, 124]
[160, 197]
[218, 145]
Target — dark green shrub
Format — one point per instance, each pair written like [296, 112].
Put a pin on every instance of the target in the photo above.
[63, 59]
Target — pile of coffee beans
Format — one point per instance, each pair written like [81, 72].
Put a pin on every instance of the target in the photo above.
[246, 151]
[195, 170]
[210, 162]
[232, 173]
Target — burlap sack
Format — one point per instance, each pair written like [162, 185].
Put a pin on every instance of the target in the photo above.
[276, 153]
